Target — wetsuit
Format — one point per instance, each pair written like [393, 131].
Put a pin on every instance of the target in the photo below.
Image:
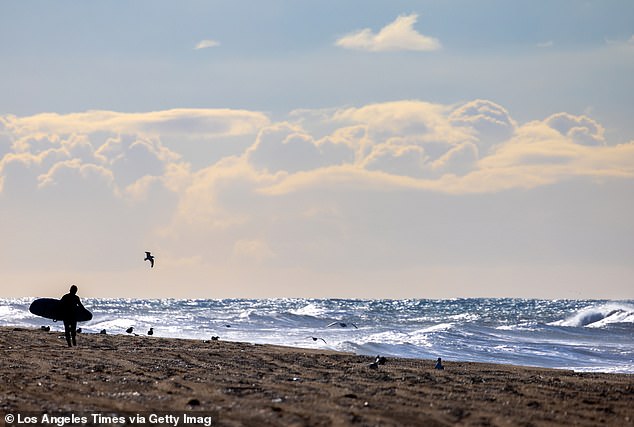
[69, 303]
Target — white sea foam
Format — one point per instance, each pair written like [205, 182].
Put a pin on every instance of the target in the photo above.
[309, 309]
[599, 316]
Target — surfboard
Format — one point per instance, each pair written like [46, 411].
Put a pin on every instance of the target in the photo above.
[51, 309]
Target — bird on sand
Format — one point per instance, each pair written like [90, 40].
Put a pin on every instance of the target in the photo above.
[149, 257]
[318, 338]
[439, 365]
[342, 324]
[130, 329]
[151, 331]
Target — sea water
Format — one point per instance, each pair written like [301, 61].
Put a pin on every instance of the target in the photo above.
[583, 335]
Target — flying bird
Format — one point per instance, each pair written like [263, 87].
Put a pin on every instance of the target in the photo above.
[342, 324]
[149, 257]
[318, 338]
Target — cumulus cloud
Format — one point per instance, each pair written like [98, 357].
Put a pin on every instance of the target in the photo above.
[396, 36]
[183, 122]
[410, 143]
[207, 43]
[284, 147]
[396, 159]
[488, 121]
[288, 148]
[580, 129]
[76, 180]
[315, 186]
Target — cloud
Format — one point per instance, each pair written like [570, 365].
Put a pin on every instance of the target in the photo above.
[288, 148]
[472, 147]
[399, 35]
[184, 122]
[205, 44]
[546, 44]
[77, 180]
[284, 147]
[489, 122]
[476, 147]
[348, 190]
[580, 129]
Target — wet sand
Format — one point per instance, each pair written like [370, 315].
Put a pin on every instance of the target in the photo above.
[263, 385]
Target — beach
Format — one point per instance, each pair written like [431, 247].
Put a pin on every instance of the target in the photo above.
[264, 385]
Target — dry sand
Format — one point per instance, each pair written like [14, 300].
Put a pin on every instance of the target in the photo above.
[261, 385]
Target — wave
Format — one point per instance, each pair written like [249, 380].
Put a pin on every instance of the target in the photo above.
[599, 316]
[582, 335]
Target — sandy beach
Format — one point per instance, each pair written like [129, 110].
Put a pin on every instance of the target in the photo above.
[262, 385]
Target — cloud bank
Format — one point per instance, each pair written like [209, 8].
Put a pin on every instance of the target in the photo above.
[380, 186]
[396, 36]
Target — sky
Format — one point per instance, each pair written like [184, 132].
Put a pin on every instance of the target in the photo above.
[328, 149]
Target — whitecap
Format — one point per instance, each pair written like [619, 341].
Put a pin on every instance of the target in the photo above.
[599, 316]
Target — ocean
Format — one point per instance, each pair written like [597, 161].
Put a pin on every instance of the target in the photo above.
[582, 335]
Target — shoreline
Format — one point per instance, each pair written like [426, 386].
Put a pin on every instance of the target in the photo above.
[256, 384]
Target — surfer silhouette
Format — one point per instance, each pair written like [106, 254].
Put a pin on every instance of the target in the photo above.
[69, 304]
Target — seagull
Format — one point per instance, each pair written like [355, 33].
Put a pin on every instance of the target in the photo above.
[439, 364]
[318, 338]
[151, 331]
[149, 257]
[130, 329]
[342, 324]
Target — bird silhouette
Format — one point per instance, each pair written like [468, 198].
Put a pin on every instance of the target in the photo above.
[151, 331]
[130, 329]
[342, 324]
[439, 364]
[380, 360]
[149, 257]
[318, 338]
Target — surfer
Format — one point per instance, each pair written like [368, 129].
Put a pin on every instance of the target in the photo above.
[69, 304]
